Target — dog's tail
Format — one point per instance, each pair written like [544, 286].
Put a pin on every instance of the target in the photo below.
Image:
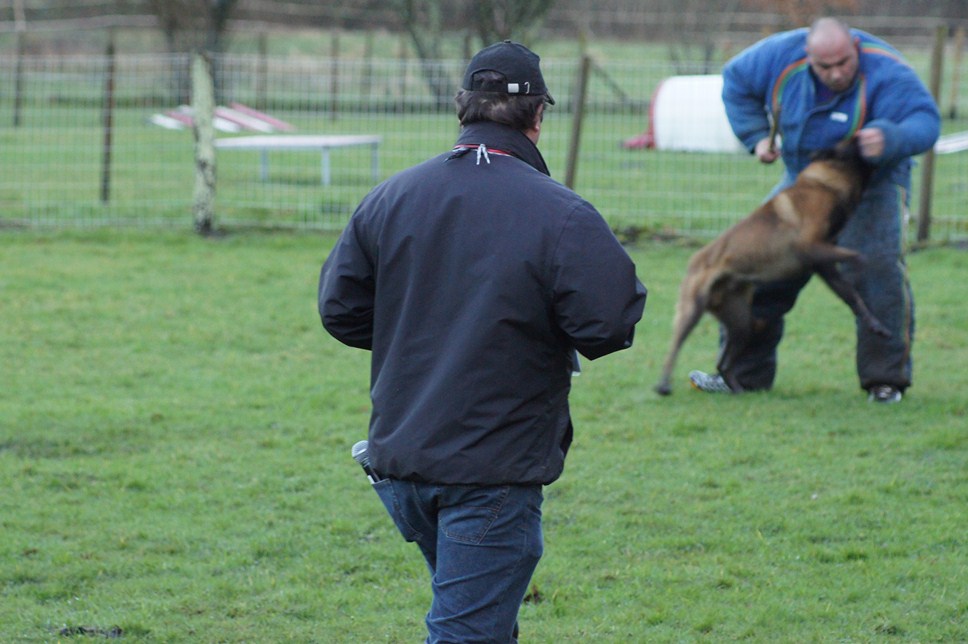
[689, 309]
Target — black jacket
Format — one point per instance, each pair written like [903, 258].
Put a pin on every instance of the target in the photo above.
[472, 277]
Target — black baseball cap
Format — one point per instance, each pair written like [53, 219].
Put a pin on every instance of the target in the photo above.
[518, 65]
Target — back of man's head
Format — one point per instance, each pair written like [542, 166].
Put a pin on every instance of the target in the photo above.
[503, 83]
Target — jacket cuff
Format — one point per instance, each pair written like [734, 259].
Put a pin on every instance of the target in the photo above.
[892, 142]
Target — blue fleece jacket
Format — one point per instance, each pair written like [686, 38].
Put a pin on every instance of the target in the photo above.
[774, 75]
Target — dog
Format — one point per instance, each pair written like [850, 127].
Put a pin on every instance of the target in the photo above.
[787, 236]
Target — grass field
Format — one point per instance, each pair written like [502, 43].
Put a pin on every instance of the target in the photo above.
[175, 430]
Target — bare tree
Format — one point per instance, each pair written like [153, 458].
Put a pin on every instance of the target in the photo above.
[191, 25]
[508, 19]
[426, 21]
[423, 20]
[798, 13]
[697, 28]
[693, 18]
[956, 10]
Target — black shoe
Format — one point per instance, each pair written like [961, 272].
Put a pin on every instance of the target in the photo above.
[884, 394]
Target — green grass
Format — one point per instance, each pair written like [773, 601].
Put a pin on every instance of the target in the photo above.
[175, 429]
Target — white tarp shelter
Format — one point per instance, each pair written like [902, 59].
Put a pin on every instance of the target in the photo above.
[686, 113]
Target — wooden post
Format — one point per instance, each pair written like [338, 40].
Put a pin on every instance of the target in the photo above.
[108, 122]
[262, 74]
[334, 77]
[927, 164]
[20, 20]
[956, 72]
[366, 83]
[203, 110]
[577, 120]
[402, 56]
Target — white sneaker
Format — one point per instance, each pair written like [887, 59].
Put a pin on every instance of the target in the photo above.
[884, 394]
[710, 383]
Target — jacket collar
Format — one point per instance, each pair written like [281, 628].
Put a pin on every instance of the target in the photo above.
[506, 139]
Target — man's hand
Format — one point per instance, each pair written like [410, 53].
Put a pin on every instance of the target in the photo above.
[870, 140]
[765, 151]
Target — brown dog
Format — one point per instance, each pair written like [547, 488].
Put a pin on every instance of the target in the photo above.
[787, 236]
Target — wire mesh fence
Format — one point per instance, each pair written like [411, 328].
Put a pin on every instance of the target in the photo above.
[100, 140]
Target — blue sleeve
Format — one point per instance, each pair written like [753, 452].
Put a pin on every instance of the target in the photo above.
[747, 79]
[744, 98]
[908, 115]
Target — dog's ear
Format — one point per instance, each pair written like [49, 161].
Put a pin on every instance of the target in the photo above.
[826, 154]
[847, 150]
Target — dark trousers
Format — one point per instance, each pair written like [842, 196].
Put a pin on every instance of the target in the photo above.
[481, 544]
[875, 231]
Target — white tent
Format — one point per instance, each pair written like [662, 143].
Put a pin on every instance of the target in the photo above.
[687, 113]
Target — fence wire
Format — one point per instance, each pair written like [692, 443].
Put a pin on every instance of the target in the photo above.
[91, 141]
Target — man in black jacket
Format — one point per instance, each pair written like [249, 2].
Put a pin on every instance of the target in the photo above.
[476, 280]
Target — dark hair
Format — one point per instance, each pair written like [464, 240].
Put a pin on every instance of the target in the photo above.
[515, 110]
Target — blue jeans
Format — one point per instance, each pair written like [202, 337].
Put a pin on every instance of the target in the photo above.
[875, 230]
[481, 543]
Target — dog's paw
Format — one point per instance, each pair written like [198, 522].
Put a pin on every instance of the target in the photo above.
[663, 389]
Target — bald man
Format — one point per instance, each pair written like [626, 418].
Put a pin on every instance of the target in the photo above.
[823, 85]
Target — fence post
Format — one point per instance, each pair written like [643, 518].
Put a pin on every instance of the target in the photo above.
[402, 56]
[366, 83]
[577, 120]
[262, 74]
[956, 72]
[108, 122]
[203, 108]
[334, 77]
[927, 169]
[18, 97]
